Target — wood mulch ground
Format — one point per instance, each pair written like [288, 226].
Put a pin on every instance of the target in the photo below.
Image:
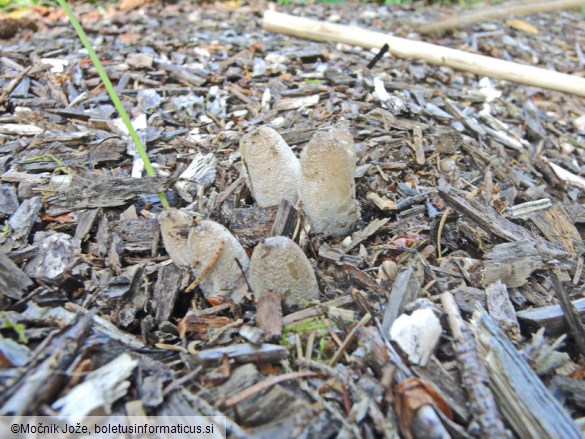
[470, 242]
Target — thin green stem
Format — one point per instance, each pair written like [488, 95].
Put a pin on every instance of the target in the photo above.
[113, 96]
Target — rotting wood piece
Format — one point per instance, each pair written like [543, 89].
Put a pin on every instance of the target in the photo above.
[43, 379]
[13, 281]
[474, 376]
[93, 190]
[526, 403]
[550, 317]
[512, 263]
[243, 353]
[406, 288]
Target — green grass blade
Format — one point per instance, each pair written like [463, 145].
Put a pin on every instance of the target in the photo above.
[113, 96]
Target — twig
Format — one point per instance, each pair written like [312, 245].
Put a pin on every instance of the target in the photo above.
[208, 267]
[364, 320]
[269, 382]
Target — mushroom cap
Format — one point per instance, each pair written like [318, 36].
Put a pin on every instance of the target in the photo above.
[206, 248]
[175, 226]
[273, 171]
[278, 264]
[327, 183]
[206, 239]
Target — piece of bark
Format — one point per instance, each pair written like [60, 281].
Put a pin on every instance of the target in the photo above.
[498, 11]
[511, 263]
[43, 379]
[269, 313]
[243, 353]
[474, 376]
[526, 403]
[285, 221]
[361, 235]
[316, 311]
[57, 254]
[200, 325]
[406, 288]
[21, 223]
[251, 224]
[550, 317]
[8, 199]
[557, 227]
[85, 221]
[136, 234]
[169, 282]
[89, 191]
[482, 65]
[99, 389]
[339, 256]
[501, 309]
[570, 312]
[446, 383]
[13, 281]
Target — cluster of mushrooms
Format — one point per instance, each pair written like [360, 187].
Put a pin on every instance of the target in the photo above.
[322, 180]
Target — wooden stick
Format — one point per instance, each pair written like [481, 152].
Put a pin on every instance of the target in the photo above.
[498, 11]
[404, 48]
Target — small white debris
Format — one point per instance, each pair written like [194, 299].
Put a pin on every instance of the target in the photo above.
[57, 65]
[417, 334]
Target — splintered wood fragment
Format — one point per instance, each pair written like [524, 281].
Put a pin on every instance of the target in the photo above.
[556, 225]
[485, 217]
[550, 317]
[316, 311]
[193, 323]
[166, 289]
[243, 353]
[404, 48]
[498, 11]
[13, 281]
[526, 210]
[93, 190]
[474, 375]
[296, 103]
[566, 176]
[21, 223]
[365, 319]
[418, 146]
[382, 203]
[269, 313]
[267, 383]
[361, 235]
[285, 221]
[528, 406]
[570, 312]
[44, 378]
[339, 256]
[501, 309]
[99, 390]
[406, 288]
[512, 263]
[417, 405]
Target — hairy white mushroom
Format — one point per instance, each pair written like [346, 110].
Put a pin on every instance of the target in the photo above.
[279, 265]
[273, 171]
[327, 182]
[207, 248]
